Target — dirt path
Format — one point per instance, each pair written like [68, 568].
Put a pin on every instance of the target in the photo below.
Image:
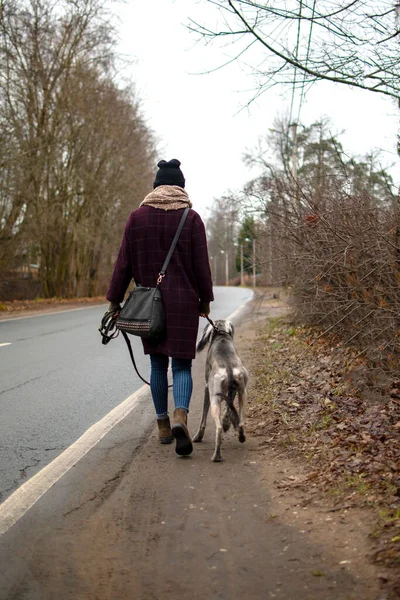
[163, 526]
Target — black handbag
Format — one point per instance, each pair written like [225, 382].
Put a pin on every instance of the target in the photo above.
[143, 313]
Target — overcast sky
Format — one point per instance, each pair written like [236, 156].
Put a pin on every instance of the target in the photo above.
[199, 118]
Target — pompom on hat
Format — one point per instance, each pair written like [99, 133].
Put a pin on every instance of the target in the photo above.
[169, 173]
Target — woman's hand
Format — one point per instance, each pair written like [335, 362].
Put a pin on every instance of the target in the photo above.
[114, 307]
[204, 308]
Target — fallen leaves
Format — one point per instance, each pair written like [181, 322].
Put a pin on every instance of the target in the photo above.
[310, 399]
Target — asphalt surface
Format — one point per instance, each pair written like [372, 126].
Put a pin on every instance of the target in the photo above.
[57, 379]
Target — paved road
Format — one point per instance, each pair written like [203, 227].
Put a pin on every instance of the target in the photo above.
[57, 379]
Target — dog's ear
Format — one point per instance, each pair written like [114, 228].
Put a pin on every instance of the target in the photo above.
[206, 338]
[231, 329]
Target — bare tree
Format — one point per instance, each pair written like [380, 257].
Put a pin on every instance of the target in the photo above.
[113, 162]
[298, 42]
[222, 231]
[41, 46]
[76, 153]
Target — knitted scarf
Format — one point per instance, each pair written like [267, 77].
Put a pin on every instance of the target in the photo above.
[167, 197]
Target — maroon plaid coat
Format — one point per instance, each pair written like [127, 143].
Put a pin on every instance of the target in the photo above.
[148, 235]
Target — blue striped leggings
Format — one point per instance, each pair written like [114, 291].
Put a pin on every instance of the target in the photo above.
[181, 380]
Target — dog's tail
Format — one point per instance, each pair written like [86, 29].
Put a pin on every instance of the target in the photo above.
[229, 398]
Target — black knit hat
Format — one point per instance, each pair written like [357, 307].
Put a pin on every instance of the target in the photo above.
[169, 173]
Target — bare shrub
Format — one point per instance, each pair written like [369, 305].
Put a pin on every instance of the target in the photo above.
[345, 272]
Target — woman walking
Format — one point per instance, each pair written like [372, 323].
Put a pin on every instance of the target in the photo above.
[186, 291]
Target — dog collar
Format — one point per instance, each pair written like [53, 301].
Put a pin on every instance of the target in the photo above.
[213, 325]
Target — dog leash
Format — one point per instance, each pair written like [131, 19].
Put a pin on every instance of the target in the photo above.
[128, 343]
[213, 325]
[108, 332]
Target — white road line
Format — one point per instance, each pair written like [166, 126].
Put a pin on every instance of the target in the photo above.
[239, 310]
[28, 494]
[5, 344]
[47, 314]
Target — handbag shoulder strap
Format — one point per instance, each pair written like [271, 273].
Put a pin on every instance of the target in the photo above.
[174, 242]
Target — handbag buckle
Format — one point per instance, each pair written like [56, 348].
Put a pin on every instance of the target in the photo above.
[160, 278]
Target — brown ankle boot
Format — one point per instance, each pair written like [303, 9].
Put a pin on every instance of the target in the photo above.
[181, 433]
[164, 430]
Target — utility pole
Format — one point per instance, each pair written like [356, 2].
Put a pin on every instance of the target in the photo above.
[214, 269]
[294, 150]
[226, 266]
[241, 266]
[240, 246]
[270, 275]
[294, 159]
[254, 262]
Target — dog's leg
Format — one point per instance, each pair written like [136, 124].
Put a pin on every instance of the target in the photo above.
[216, 413]
[218, 389]
[242, 395]
[206, 405]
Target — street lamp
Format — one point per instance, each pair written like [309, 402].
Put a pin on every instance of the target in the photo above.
[213, 261]
[226, 266]
[253, 258]
[240, 246]
[249, 240]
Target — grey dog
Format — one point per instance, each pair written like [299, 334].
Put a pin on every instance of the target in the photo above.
[226, 376]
